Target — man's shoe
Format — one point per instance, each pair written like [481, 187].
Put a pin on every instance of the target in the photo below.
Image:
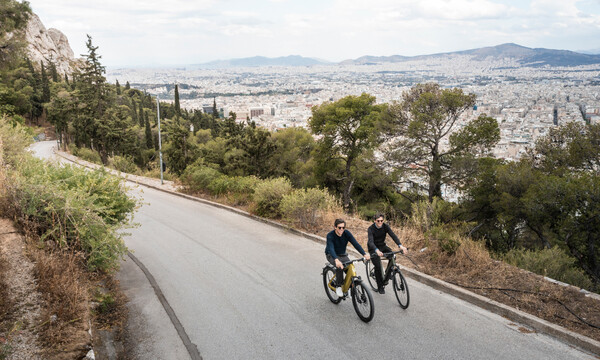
[339, 292]
[381, 290]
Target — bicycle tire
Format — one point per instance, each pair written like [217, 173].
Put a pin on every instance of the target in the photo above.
[371, 274]
[362, 301]
[328, 276]
[401, 289]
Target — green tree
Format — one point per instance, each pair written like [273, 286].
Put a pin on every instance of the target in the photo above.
[177, 107]
[127, 86]
[214, 108]
[426, 115]
[148, 134]
[45, 84]
[292, 156]
[180, 150]
[14, 16]
[141, 115]
[118, 86]
[347, 128]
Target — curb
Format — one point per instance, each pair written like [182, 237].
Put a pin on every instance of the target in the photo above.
[539, 325]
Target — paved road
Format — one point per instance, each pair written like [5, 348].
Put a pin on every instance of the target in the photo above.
[243, 289]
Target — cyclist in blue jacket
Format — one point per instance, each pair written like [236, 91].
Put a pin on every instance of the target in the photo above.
[337, 240]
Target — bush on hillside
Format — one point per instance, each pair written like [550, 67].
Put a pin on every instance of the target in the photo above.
[124, 164]
[71, 209]
[87, 154]
[306, 207]
[268, 195]
[553, 263]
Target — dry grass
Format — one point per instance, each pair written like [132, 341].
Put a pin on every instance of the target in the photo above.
[66, 314]
[5, 311]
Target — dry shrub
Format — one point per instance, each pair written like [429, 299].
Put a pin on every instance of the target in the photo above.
[64, 286]
[306, 207]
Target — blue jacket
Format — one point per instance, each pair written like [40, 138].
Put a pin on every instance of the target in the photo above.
[336, 245]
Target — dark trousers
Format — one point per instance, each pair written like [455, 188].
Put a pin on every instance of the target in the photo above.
[339, 273]
[376, 260]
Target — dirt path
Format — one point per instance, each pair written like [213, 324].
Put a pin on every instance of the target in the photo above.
[22, 302]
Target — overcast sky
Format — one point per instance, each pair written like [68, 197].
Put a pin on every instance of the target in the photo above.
[169, 32]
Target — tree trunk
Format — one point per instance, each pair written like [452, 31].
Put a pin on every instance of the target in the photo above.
[435, 179]
[348, 184]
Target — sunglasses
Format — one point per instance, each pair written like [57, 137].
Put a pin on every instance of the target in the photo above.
[378, 220]
[341, 227]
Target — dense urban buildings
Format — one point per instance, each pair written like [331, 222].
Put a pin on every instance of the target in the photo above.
[526, 101]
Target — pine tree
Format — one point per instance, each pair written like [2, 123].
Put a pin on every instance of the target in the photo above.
[127, 86]
[177, 108]
[118, 88]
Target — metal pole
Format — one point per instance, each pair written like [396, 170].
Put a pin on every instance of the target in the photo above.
[159, 140]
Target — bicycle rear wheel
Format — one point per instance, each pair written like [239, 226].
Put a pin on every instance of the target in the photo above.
[371, 274]
[363, 301]
[328, 283]
[401, 289]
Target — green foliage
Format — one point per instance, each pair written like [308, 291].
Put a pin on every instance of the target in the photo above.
[268, 195]
[347, 128]
[124, 164]
[426, 115]
[15, 139]
[87, 155]
[71, 208]
[448, 239]
[200, 178]
[553, 263]
[13, 17]
[306, 207]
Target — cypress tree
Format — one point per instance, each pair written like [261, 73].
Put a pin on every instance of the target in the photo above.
[118, 88]
[53, 71]
[149, 140]
[215, 111]
[177, 108]
[67, 79]
[45, 85]
[141, 117]
[134, 112]
[127, 87]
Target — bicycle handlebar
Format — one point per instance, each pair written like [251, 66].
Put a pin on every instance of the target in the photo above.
[352, 261]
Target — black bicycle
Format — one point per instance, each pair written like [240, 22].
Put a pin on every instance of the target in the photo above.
[392, 271]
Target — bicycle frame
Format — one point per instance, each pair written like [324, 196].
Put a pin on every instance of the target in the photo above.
[350, 275]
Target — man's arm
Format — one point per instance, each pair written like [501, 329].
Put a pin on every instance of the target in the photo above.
[330, 248]
[388, 229]
[371, 239]
[357, 245]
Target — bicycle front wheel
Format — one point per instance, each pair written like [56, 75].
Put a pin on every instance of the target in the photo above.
[401, 289]
[363, 302]
[371, 274]
[328, 282]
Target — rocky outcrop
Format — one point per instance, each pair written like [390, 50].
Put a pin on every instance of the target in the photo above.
[51, 44]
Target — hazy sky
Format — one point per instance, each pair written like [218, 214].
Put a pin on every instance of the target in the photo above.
[167, 32]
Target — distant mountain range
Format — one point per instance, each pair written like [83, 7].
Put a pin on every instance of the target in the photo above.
[526, 57]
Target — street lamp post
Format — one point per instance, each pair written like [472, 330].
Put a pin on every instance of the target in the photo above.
[159, 140]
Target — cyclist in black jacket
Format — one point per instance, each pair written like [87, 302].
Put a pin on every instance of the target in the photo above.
[377, 246]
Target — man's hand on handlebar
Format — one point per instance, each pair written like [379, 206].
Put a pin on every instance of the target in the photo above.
[379, 253]
[367, 256]
[403, 249]
[339, 264]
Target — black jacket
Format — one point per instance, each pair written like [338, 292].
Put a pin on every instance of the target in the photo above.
[377, 236]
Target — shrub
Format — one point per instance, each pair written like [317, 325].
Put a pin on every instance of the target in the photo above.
[72, 209]
[448, 239]
[87, 155]
[268, 195]
[306, 207]
[197, 178]
[553, 263]
[124, 164]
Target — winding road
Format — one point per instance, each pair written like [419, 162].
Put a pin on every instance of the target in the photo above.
[242, 289]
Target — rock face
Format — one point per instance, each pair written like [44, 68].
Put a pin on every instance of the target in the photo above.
[44, 45]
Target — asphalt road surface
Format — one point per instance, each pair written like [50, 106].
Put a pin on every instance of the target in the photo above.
[245, 290]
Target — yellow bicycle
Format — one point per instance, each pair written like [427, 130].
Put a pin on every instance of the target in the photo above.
[361, 295]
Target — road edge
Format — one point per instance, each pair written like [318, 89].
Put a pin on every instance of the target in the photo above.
[537, 324]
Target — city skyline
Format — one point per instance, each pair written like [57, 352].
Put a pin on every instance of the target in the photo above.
[158, 33]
